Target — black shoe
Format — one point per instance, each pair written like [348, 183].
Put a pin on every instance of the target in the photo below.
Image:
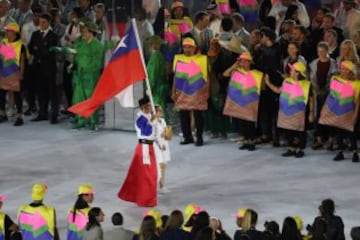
[339, 157]
[251, 147]
[3, 118]
[355, 157]
[28, 112]
[288, 153]
[199, 142]
[299, 154]
[39, 118]
[244, 146]
[53, 120]
[19, 122]
[187, 141]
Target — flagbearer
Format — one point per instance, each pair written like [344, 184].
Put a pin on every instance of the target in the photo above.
[296, 108]
[140, 185]
[7, 226]
[242, 101]
[87, 68]
[37, 221]
[190, 90]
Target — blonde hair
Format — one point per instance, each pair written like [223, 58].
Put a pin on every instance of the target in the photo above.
[354, 57]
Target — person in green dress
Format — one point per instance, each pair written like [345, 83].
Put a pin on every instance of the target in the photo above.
[87, 65]
[157, 74]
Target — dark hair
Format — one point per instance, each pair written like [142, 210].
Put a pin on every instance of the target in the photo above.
[201, 220]
[93, 213]
[290, 11]
[147, 228]
[164, 219]
[297, 45]
[117, 219]
[78, 12]
[319, 229]
[327, 207]
[176, 220]
[200, 16]
[205, 233]
[227, 24]
[302, 29]
[289, 230]
[53, 13]
[36, 9]
[270, 21]
[355, 233]
[272, 227]
[46, 16]
[79, 204]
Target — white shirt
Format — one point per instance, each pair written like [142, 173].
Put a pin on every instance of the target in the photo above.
[303, 14]
[27, 30]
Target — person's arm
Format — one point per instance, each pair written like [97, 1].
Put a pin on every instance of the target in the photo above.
[10, 225]
[311, 107]
[230, 70]
[273, 88]
[22, 61]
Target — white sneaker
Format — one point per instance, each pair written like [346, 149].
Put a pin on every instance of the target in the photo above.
[164, 190]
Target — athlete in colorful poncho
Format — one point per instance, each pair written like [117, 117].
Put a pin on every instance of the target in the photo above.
[296, 108]
[37, 221]
[78, 214]
[7, 226]
[341, 108]
[242, 101]
[190, 90]
[140, 185]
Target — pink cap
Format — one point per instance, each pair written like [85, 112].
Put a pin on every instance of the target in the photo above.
[3, 198]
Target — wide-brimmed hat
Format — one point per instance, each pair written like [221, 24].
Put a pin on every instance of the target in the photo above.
[234, 45]
[86, 22]
[12, 27]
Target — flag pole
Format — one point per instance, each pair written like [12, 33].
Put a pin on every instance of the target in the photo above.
[133, 21]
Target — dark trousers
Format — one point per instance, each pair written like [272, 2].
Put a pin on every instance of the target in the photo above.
[248, 129]
[29, 87]
[268, 111]
[341, 135]
[321, 131]
[185, 121]
[18, 101]
[67, 85]
[295, 139]
[47, 91]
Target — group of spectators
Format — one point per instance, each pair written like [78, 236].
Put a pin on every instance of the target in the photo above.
[38, 219]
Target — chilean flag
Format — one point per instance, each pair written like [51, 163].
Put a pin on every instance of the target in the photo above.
[125, 68]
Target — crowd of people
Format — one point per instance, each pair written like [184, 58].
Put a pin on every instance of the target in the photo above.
[291, 73]
[37, 220]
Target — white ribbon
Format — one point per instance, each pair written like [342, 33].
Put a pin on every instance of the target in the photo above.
[145, 154]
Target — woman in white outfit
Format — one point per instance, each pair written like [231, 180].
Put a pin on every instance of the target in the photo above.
[162, 150]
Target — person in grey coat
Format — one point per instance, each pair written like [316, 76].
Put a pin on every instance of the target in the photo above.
[118, 232]
[93, 230]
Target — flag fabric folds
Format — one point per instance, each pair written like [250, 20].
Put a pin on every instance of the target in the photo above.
[125, 68]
